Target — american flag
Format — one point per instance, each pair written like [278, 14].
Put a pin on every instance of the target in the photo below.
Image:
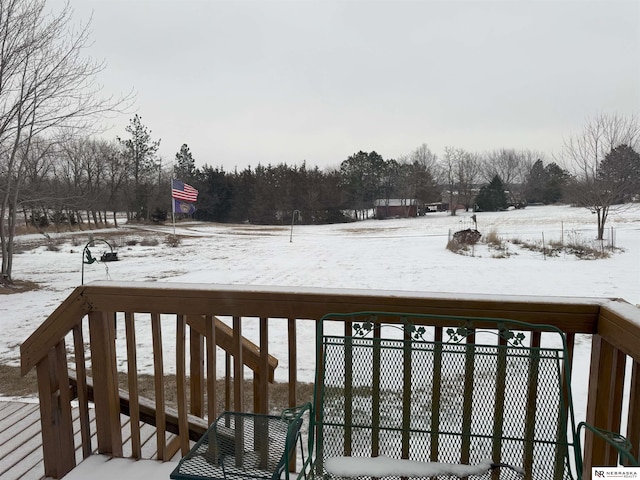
[182, 191]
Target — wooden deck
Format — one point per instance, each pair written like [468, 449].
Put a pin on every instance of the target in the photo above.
[21, 440]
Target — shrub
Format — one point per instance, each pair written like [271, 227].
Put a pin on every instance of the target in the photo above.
[467, 237]
[173, 241]
[149, 242]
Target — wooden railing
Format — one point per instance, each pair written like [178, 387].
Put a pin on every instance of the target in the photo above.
[70, 366]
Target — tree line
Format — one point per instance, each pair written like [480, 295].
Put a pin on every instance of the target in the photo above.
[88, 181]
[271, 194]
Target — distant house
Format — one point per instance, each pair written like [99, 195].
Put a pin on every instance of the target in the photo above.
[396, 207]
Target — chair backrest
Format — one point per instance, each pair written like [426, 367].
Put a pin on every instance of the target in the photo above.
[467, 390]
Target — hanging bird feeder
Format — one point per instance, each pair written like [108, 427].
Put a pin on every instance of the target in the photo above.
[88, 258]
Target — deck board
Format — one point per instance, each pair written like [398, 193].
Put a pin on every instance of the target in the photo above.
[21, 439]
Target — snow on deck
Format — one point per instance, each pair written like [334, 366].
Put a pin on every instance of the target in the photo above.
[21, 446]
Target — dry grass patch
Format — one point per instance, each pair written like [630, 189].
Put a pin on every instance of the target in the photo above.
[12, 384]
[278, 392]
[18, 286]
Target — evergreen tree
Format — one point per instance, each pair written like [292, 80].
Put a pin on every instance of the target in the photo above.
[492, 197]
[545, 184]
[362, 176]
[139, 152]
[536, 183]
[215, 198]
[185, 168]
[557, 180]
[619, 172]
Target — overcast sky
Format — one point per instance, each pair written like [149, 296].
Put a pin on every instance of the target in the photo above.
[248, 82]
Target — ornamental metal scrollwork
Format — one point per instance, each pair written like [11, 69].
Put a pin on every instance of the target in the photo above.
[459, 334]
[513, 339]
[363, 330]
[416, 333]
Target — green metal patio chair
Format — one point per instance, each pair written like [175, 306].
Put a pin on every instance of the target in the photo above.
[246, 446]
[462, 392]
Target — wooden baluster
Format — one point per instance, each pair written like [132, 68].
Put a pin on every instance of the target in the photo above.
[293, 374]
[83, 392]
[158, 371]
[105, 383]
[318, 399]
[227, 381]
[261, 404]
[238, 366]
[196, 372]
[261, 394]
[293, 362]
[570, 339]
[132, 381]
[181, 374]
[238, 389]
[212, 405]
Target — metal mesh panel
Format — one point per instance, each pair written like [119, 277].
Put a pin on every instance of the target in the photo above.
[238, 446]
[445, 402]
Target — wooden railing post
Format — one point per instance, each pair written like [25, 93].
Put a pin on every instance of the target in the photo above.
[633, 426]
[105, 376]
[55, 413]
[604, 405]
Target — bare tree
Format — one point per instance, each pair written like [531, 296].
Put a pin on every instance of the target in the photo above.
[116, 173]
[45, 84]
[459, 173]
[583, 154]
[425, 158]
[468, 177]
[38, 170]
[511, 166]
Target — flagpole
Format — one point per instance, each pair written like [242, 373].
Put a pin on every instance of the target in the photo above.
[173, 209]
